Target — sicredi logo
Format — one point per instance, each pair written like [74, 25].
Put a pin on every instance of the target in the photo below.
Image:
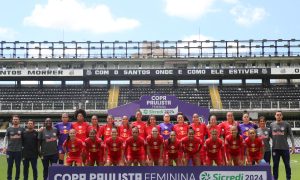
[232, 175]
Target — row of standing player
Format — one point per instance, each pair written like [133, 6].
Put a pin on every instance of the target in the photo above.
[240, 140]
[201, 152]
[185, 146]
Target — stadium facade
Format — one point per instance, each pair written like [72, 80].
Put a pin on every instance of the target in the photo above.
[260, 76]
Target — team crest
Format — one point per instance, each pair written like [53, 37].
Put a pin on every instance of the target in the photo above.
[252, 145]
[134, 144]
[155, 143]
[72, 145]
[172, 147]
[191, 144]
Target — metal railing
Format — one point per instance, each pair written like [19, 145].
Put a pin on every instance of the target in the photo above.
[40, 106]
[230, 105]
[151, 49]
[261, 104]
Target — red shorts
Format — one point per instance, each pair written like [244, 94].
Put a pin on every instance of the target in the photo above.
[138, 157]
[172, 156]
[255, 158]
[94, 157]
[155, 155]
[76, 160]
[113, 159]
[217, 158]
[191, 156]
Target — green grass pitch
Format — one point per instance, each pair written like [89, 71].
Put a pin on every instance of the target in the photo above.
[295, 164]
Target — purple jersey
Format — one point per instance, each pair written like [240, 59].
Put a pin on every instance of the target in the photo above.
[63, 131]
[165, 129]
[245, 128]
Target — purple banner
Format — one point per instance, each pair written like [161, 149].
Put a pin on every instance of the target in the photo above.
[262, 172]
[297, 150]
[158, 105]
[158, 102]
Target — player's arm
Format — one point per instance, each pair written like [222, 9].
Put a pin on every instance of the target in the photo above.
[242, 154]
[148, 151]
[5, 143]
[65, 146]
[161, 151]
[126, 151]
[205, 151]
[122, 162]
[262, 149]
[223, 153]
[247, 156]
[82, 148]
[40, 141]
[290, 133]
[106, 149]
[227, 153]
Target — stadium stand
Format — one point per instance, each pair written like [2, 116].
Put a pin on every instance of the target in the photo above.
[232, 97]
[33, 98]
[241, 97]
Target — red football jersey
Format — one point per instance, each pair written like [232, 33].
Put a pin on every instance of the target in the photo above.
[141, 125]
[105, 132]
[234, 146]
[172, 149]
[200, 130]
[149, 129]
[74, 148]
[124, 132]
[181, 130]
[96, 128]
[191, 146]
[254, 147]
[210, 128]
[81, 130]
[135, 146]
[93, 145]
[213, 148]
[154, 143]
[114, 147]
[225, 127]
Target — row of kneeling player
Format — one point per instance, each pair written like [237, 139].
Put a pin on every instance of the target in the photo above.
[154, 150]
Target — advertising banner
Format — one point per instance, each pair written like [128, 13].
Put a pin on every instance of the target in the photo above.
[262, 172]
[178, 72]
[158, 105]
[40, 72]
[282, 71]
